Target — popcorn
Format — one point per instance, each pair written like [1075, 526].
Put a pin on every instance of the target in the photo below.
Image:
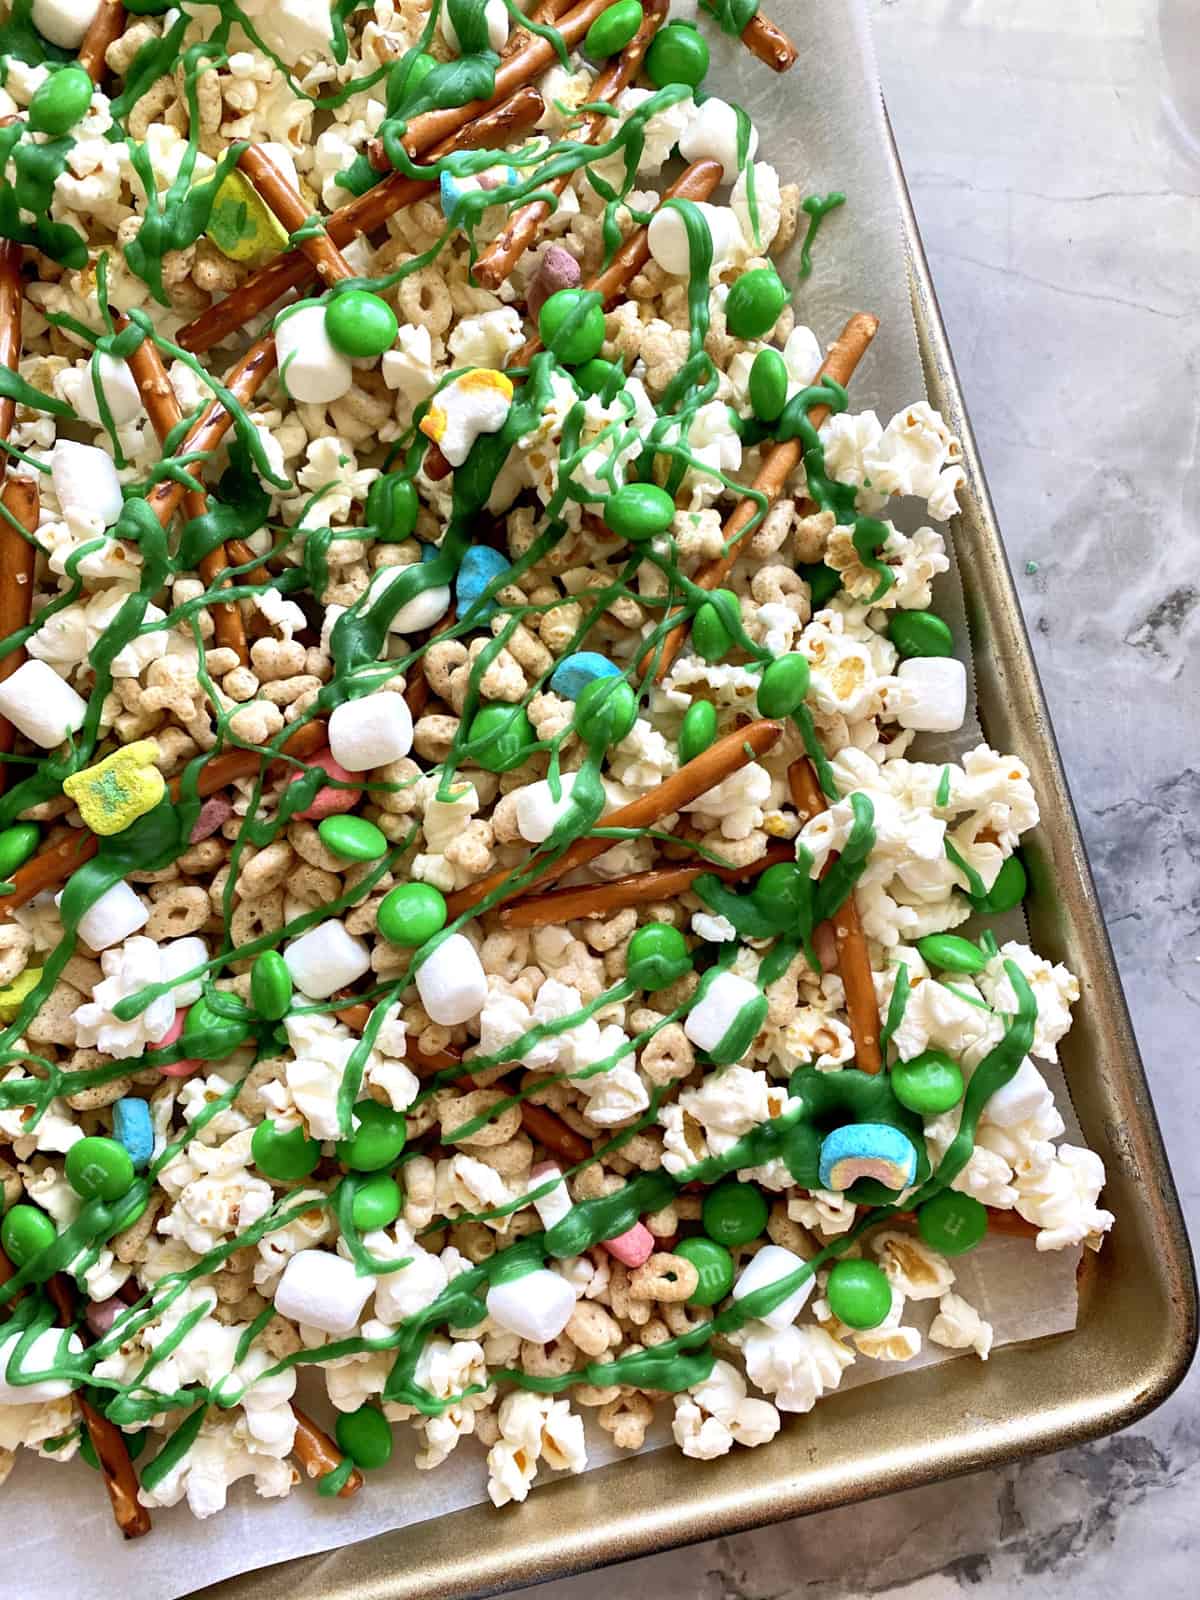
[712, 133]
[85, 482]
[958, 1326]
[716, 1414]
[128, 970]
[476, 403]
[794, 1365]
[533, 1428]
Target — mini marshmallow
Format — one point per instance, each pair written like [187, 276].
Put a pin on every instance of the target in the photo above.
[179, 956]
[538, 812]
[371, 732]
[712, 132]
[313, 372]
[86, 482]
[1025, 1095]
[939, 685]
[553, 1206]
[867, 1150]
[417, 614]
[536, 1306]
[495, 14]
[771, 1264]
[633, 1248]
[452, 983]
[41, 1354]
[325, 959]
[116, 915]
[668, 238]
[41, 705]
[64, 23]
[474, 404]
[323, 1291]
[116, 385]
[707, 1023]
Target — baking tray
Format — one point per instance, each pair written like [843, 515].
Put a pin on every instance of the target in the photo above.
[1137, 1307]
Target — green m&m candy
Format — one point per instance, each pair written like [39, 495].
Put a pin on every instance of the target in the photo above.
[948, 953]
[359, 323]
[768, 385]
[271, 986]
[208, 1036]
[613, 29]
[604, 378]
[755, 302]
[405, 80]
[656, 956]
[859, 1293]
[392, 507]
[99, 1169]
[783, 685]
[503, 735]
[376, 1204]
[377, 1140]
[698, 731]
[365, 1436]
[17, 844]
[710, 635]
[25, 1232]
[639, 511]
[60, 102]
[353, 838]
[734, 1213]
[284, 1156]
[411, 913]
[571, 325]
[714, 1265]
[1007, 891]
[678, 54]
[784, 891]
[930, 1083]
[952, 1223]
[823, 582]
[920, 633]
[605, 711]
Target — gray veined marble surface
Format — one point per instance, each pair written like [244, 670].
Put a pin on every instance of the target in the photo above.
[1062, 221]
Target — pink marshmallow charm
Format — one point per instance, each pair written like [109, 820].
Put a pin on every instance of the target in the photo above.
[177, 1069]
[558, 269]
[634, 1247]
[101, 1314]
[329, 801]
[214, 814]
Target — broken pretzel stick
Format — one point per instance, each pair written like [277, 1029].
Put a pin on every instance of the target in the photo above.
[106, 28]
[769, 43]
[552, 909]
[349, 222]
[780, 462]
[318, 1455]
[501, 256]
[728, 755]
[277, 194]
[20, 497]
[853, 957]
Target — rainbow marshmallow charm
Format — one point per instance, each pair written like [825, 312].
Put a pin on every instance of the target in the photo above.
[120, 789]
[867, 1150]
[477, 402]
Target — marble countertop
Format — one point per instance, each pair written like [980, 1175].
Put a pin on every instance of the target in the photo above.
[1062, 220]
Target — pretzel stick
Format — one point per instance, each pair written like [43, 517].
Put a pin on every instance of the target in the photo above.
[780, 462]
[704, 772]
[108, 1441]
[20, 494]
[162, 408]
[106, 27]
[317, 1453]
[547, 11]
[769, 43]
[11, 295]
[853, 958]
[502, 255]
[638, 889]
[278, 196]
[349, 222]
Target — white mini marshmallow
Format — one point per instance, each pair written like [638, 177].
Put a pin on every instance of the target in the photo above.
[86, 481]
[707, 1024]
[323, 1291]
[496, 15]
[667, 236]
[537, 1306]
[538, 812]
[116, 915]
[41, 705]
[1025, 1095]
[371, 732]
[326, 958]
[712, 132]
[42, 1353]
[417, 614]
[64, 23]
[116, 385]
[313, 372]
[771, 1264]
[452, 983]
[182, 955]
[553, 1206]
[939, 684]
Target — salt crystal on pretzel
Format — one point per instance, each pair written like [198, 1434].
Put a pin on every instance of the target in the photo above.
[20, 495]
[106, 28]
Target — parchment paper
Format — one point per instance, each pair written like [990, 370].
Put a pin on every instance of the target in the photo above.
[822, 127]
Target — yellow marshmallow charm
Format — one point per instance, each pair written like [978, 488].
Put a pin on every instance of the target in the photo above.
[477, 402]
[242, 226]
[13, 995]
[119, 789]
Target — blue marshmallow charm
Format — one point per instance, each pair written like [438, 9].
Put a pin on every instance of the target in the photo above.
[479, 568]
[454, 190]
[573, 673]
[133, 1128]
[867, 1150]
